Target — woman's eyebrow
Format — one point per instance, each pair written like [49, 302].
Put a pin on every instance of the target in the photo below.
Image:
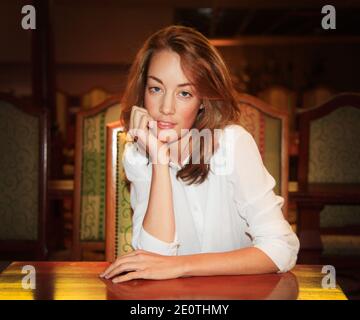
[179, 85]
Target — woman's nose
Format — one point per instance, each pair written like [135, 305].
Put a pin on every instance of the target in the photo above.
[168, 106]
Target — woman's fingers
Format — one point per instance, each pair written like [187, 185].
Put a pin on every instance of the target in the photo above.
[143, 122]
[142, 133]
[135, 117]
[136, 114]
[124, 267]
[148, 142]
[119, 261]
[123, 259]
[129, 276]
[140, 125]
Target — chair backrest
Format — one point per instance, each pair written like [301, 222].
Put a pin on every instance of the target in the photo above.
[330, 144]
[330, 152]
[118, 208]
[23, 180]
[90, 172]
[270, 128]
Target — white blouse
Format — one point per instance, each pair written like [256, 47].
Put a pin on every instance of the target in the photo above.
[235, 207]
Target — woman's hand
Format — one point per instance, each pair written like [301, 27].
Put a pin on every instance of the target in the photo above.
[141, 129]
[142, 264]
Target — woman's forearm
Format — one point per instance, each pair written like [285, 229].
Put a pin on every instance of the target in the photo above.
[159, 219]
[243, 261]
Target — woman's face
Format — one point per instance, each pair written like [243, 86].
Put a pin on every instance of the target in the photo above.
[170, 98]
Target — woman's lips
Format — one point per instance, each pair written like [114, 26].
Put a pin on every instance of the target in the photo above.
[165, 125]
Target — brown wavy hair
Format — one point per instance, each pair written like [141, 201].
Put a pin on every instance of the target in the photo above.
[203, 65]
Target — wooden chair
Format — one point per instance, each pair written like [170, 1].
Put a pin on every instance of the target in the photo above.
[329, 181]
[270, 128]
[90, 172]
[23, 180]
[118, 209]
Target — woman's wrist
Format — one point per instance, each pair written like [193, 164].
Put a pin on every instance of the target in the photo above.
[183, 265]
[159, 168]
[162, 157]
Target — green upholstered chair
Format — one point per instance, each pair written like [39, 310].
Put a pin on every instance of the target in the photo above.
[270, 128]
[90, 178]
[329, 221]
[118, 208]
[23, 180]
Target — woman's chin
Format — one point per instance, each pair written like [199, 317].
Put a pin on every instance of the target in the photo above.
[167, 139]
[167, 135]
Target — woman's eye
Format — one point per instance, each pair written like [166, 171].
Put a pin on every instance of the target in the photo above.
[154, 89]
[185, 94]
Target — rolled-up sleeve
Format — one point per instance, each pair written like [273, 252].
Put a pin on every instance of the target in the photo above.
[259, 205]
[139, 174]
[150, 243]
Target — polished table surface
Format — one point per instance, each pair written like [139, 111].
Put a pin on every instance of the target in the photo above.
[80, 281]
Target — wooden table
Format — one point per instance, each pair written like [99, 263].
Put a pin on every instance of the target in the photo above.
[80, 281]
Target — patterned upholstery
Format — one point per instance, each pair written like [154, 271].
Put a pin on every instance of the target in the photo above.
[92, 210]
[335, 147]
[19, 174]
[334, 156]
[123, 223]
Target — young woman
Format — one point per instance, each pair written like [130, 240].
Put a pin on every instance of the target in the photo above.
[192, 218]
